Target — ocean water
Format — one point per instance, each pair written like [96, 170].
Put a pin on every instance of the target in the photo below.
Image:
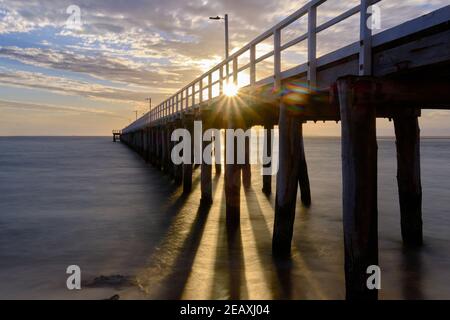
[94, 203]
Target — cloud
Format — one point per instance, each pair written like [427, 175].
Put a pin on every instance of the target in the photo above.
[100, 66]
[161, 43]
[153, 48]
[4, 104]
[62, 85]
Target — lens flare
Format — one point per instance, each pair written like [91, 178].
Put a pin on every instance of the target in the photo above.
[230, 89]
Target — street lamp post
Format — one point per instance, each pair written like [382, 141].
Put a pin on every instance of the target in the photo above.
[150, 103]
[149, 108]
[227, 41]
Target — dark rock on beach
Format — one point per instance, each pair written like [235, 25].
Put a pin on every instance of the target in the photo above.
[114, 281]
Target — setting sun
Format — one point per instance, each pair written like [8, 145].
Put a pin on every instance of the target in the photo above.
[230, 89]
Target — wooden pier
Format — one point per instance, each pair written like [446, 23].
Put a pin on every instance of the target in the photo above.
[394, 74]
[116, 135]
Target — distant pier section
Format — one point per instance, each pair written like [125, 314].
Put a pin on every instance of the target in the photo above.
[116, 135]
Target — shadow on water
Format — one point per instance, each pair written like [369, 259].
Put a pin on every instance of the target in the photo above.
[283, 269]
[278, 272]
[236, 264]
[229, 268]
[174, 208]
[270, 198]
[217, 290]
[174, 284]
[411, 280]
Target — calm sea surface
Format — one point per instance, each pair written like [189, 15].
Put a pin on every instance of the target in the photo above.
[93, 203]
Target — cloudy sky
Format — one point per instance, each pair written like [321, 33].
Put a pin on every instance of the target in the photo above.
[56, 80]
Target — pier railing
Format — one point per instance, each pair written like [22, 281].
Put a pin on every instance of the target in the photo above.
[211, 84]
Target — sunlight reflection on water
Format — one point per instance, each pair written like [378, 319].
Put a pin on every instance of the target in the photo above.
[96, 204]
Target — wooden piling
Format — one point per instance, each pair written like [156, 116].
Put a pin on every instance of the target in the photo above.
[232, 183]
[359, 177]
[136, 141]
[155, 146]
[188, 123]
[152, 146]
[407, 134]
[218, 161]
[206, 168]
[169, 143]
[141, 142]
[158, 146]
[246, 167]
[165, 149]
[267, 178]
[287, 183]
[303, 178]
[146, 144]
[149, 148]
[178, 168]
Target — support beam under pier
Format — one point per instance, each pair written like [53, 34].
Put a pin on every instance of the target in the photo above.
[359, 177]
[146, 144]
[232, 180]
[158, 152]
[407, 134]
[303, 178]
[246, 167]
[169, 143]
[188, 123]
[178, 168]
[152, 146]
[206, 168]
[287, 183]
[165, 149]
[267, 154]
[218, 161]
